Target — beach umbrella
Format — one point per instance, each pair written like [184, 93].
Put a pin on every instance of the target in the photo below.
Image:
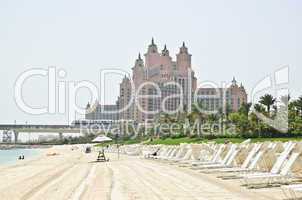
[102, 138]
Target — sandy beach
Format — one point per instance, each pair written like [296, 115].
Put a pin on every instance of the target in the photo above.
[75, 175]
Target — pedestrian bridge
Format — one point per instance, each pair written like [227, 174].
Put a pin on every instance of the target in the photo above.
[8, 129]
[40, 128]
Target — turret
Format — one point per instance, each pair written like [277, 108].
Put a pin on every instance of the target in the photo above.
[165, 62]
[183, 48]
[165, 51]
[139, 61]
[88, 106]
[138, 71]
[152, 55]
[125, 79]
[152, 48]
[234, 82]
[183, 58]
[242, 88]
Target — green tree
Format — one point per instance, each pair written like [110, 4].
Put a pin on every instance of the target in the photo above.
[268, 101]
[245, 109]
[259, 108]
[241, 122]
[298, 105]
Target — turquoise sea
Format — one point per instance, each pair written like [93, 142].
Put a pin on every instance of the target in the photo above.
[11, 156]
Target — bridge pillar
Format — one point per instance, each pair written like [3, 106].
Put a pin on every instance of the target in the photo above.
[61, 136]
[16, 134]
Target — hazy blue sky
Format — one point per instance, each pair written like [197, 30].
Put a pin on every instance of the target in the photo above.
[246, 39]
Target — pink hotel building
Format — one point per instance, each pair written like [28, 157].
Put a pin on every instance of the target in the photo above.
[158, 71]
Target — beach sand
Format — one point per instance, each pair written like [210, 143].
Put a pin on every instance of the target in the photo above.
[75, 175]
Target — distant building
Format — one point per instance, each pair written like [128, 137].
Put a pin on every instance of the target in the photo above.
[215, 99]
[101, 117]
[159, 69]
[124, 99]
[101, 112]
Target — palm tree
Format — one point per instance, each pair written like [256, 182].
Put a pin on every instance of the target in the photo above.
[245, 108]
[268, 101]
[254, 117]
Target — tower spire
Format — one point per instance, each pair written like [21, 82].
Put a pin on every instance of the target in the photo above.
[234, 82]
[183, 48]
[165, 51]
[88, 105]
[139, 61]
[152, 48]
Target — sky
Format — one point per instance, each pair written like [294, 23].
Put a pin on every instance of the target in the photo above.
[245, 39]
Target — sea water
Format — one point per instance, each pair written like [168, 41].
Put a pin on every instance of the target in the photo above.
[11, 156]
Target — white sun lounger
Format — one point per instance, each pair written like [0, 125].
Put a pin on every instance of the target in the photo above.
[228, 159]
[215, 159]
[162, 154]
[186, 156]
[245, 164]
[171, 154]
[196, 154]
[293, 190]
[248, 178]
[281, 178]
[251, 167]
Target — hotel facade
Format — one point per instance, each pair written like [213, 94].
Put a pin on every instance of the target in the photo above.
[160, 84]
[157, 84]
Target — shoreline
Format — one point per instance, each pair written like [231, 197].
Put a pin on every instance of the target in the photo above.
[22, 146]
[28, 159]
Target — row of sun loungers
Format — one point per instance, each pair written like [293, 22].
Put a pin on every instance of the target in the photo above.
[256, 165]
